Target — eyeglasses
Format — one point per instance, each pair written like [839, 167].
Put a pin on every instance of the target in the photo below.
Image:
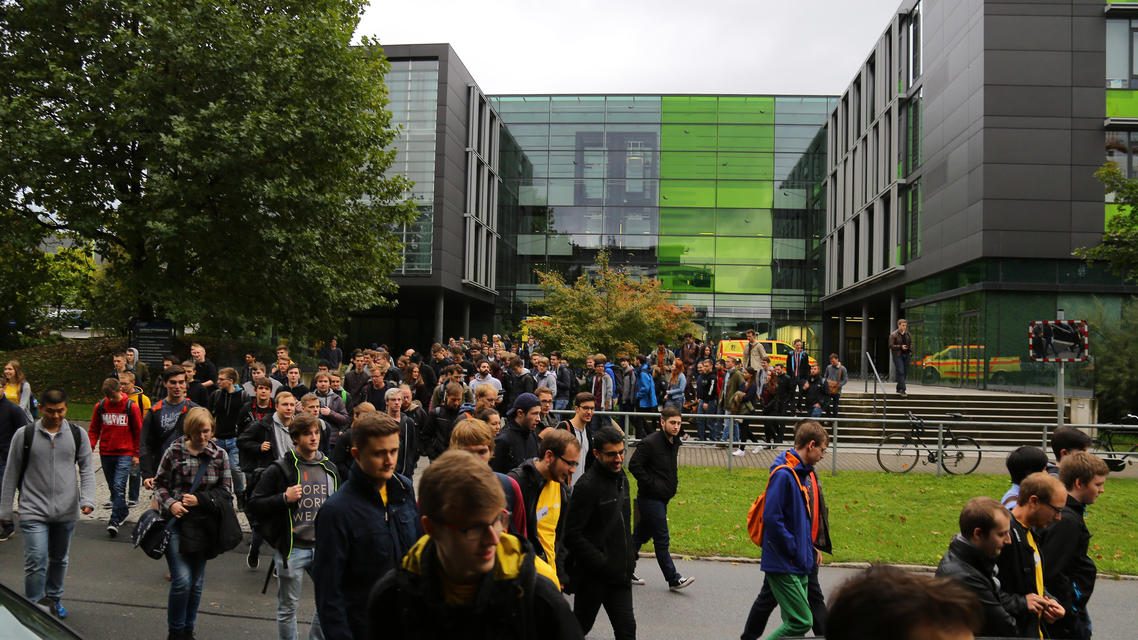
[474, 533]
[1057, 510]
[584, 407]
[220, 379]
[612, 454]
[572, 465]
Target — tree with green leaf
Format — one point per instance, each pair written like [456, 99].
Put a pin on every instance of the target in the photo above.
[1119, 247]
[607, 311]
[226, 159]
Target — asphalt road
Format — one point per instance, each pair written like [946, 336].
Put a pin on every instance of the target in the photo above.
[114, 592]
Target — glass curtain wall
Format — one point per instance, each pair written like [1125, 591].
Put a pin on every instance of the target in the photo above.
[710, 194]
[413, 86]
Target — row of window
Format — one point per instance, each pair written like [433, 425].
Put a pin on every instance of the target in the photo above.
[682, 109]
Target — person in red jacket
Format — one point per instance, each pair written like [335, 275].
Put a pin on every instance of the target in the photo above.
[116, 423]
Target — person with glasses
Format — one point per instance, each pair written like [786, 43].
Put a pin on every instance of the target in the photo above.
[1021, 570]
[544, 482]
[654, 465]
[467, 558]
[164, 424]
[598, 537]
[363, 530]
[581, 426]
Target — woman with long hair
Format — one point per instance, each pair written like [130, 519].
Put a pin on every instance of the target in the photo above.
[16, 387]
[192, 485]
[677, 384]
[413, 377]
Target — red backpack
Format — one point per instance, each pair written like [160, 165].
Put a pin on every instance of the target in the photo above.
[755, 514]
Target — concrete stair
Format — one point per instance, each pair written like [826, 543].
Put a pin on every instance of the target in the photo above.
[932, 403]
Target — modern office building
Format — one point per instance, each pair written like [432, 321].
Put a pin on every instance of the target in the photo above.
[720, 197]
[448, 145]
[961, 179]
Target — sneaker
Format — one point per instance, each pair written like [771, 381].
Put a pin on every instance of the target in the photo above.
[112, 528]
[739, 452]
[637, 580]
[57, 608]
[6, 531]
[253, 560]
[132, 503]
[107, 505]
[682, 583]
[757, 448]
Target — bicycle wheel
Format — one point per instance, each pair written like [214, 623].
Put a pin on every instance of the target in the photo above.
[897, 453]
[961, 456]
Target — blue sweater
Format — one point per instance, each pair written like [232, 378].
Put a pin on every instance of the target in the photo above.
[646, 393]
[358, 540]
[787, 544]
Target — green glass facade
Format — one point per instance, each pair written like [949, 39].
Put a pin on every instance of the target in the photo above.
[720, 197]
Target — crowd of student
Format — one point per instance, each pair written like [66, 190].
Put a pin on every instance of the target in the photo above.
[515, 507]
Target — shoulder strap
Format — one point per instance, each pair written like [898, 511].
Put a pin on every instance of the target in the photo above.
[29, 434]
[202, 466]
[76, 434]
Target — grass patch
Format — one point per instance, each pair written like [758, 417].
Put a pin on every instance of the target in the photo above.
[879, 517]
[76, 366]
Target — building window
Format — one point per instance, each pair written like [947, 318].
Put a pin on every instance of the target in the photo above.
[481, 214]
[1121, 54]
[911, 203]
[1122, 150]
[913, 144]
[913, 37]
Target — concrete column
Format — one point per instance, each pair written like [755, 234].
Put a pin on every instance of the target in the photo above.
[466, 318]
[894, 316]
[866, 371]
[841, 350]
[439, 307]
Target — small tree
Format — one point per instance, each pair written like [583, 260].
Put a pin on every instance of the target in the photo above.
[1119, 246]
[608, 312]
[1114, 352]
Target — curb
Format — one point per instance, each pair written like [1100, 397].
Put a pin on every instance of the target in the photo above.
[918, 568]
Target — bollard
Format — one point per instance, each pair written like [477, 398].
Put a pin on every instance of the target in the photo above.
[834, 452]
[939, 446]
[730, 443]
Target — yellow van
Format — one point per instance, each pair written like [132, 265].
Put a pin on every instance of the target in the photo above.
[776, 349]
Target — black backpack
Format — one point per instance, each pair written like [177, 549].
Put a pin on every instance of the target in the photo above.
[29, 435]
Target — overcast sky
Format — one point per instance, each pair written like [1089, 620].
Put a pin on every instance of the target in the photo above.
[644, 46]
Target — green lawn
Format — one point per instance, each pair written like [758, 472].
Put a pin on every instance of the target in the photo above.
[879, 517]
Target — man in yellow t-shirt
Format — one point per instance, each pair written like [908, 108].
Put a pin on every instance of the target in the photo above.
[544, 482]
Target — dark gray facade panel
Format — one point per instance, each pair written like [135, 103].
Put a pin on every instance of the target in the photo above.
[1027, 181]
[1031, 122]
[1088, 68]
[1032, 68]
[1087, 217]
[1018, 215]
[1027, 146]
[1027, 33]
[1087, 32]
[1089, 103]
[1023, 101]
[1026, 244]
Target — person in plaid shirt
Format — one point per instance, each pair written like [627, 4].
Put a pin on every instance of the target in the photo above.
[193, 541]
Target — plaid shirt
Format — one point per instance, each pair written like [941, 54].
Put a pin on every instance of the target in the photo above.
[178, 467]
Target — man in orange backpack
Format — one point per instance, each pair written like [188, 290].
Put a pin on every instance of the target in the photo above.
[795, 529]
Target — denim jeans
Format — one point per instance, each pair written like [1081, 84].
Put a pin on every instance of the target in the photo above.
[653, 523]
[46, 547]
[730, 430]
[230, 446]
[708, 428]
[187, 575]
[901, 365]
[560, 403]
[289, 580]
[116, 470]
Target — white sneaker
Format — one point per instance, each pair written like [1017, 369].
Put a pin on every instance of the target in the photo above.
[739, 452]
[637, 580]
[681, 583]
[757, 448]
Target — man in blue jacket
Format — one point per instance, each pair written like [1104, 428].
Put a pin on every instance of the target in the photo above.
[363, 530]
[645, 395]
[790, 514]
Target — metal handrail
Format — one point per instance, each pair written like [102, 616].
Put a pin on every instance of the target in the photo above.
[884, 396]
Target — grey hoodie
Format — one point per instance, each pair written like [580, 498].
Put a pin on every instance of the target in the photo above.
[52, 490]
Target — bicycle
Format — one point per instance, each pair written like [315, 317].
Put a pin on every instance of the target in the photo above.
[899, 452]
[1126, 434]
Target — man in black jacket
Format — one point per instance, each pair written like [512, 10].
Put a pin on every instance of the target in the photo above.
[260, 445]
[517, 442]
[375, 391]
[226, 403]
[598, 536]
[516, 381]
[1041, 501]
[561, 395]
[544, 482]
[435, 436]
[814, 389]
[1069, 572]
[467, 578]
[798, 369]
[653, 464]
[985, 527]
[285, 502]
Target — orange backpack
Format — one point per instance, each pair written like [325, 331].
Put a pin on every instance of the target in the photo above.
[755, 514]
